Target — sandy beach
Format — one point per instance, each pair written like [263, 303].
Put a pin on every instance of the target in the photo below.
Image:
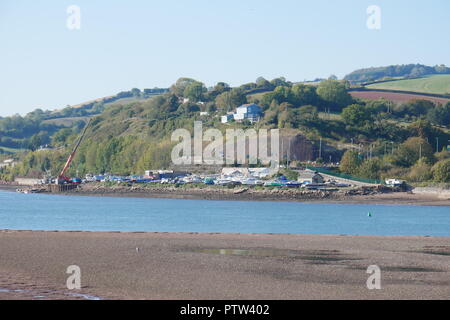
[221, 266]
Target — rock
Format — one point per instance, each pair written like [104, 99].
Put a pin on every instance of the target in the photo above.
[240, 191]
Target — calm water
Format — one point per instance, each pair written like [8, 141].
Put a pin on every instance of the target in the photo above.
[47, 212]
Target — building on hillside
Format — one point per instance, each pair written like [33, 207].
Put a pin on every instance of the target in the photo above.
[251, 112]
[7, 163]
[45, 147]
[227, 118]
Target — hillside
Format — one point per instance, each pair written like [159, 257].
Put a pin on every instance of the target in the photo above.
[130, 137]
[435, 84]
[396, 97]
[395, 71]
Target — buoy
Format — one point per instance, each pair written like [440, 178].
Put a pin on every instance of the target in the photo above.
[369, 214]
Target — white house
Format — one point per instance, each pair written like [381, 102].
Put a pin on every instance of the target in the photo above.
[7, 163]
[226, 118]
[251, 112]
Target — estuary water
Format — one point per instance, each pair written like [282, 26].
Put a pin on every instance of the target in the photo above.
[81, 213]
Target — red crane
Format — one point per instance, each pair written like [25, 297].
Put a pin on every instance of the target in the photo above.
[62, 178]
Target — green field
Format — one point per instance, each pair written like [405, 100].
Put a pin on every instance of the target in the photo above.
[438, 84]
[11, 150]
[66, 122]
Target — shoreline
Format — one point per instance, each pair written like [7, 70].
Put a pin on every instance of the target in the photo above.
[249, 194]
[203, 266]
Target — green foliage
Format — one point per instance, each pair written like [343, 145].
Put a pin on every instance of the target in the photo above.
[414, 108]
[230, 100]
[128, 138]
[440, 115]
[334, 94]
[194, 91]
[350, 162]
[289, 174]
[356, 115]
[421, 171]
[441, 171]
[410, 151]
[180, 86]
[370, 168]
[297, 95]
[60, 137]
[409, 70]
[435, 84]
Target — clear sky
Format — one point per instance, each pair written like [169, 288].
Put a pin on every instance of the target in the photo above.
[143, 44]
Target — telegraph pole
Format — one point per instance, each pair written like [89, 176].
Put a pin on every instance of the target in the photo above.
[320, 148]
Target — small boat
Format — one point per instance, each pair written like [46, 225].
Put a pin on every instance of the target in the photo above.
[293, 184]
[28, 191]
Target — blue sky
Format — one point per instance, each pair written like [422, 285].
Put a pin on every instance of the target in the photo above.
[143, 44]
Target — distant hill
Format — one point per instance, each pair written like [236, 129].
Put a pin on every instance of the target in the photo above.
[435, 84]
[407, 71]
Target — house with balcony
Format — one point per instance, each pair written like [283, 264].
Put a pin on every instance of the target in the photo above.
[251, 112]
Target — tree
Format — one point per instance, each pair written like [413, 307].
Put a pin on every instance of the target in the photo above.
[307, 115]
[280, 82]
[370, 168]
[414, 108]
[412, 150]
[194, 91]
[334, 93]
[219, 88]
[304, 95]
[262, 83]
[440, 115]
[60, 137]
[35, 142]
[179, 86]
[421, 171]
[441, 171]
[230, 100]
[356, 115]
[136, 92]
[333, 77]
[422, 128]
[350, 162]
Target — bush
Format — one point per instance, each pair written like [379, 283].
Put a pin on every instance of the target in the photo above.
[441, 171]
[420, 172]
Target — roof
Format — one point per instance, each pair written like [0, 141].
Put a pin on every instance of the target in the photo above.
[249, 105]
[235, 171]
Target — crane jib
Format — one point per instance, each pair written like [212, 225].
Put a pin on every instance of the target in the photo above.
[72, 155]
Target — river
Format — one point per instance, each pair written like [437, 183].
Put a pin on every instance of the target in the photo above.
[75, 213]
